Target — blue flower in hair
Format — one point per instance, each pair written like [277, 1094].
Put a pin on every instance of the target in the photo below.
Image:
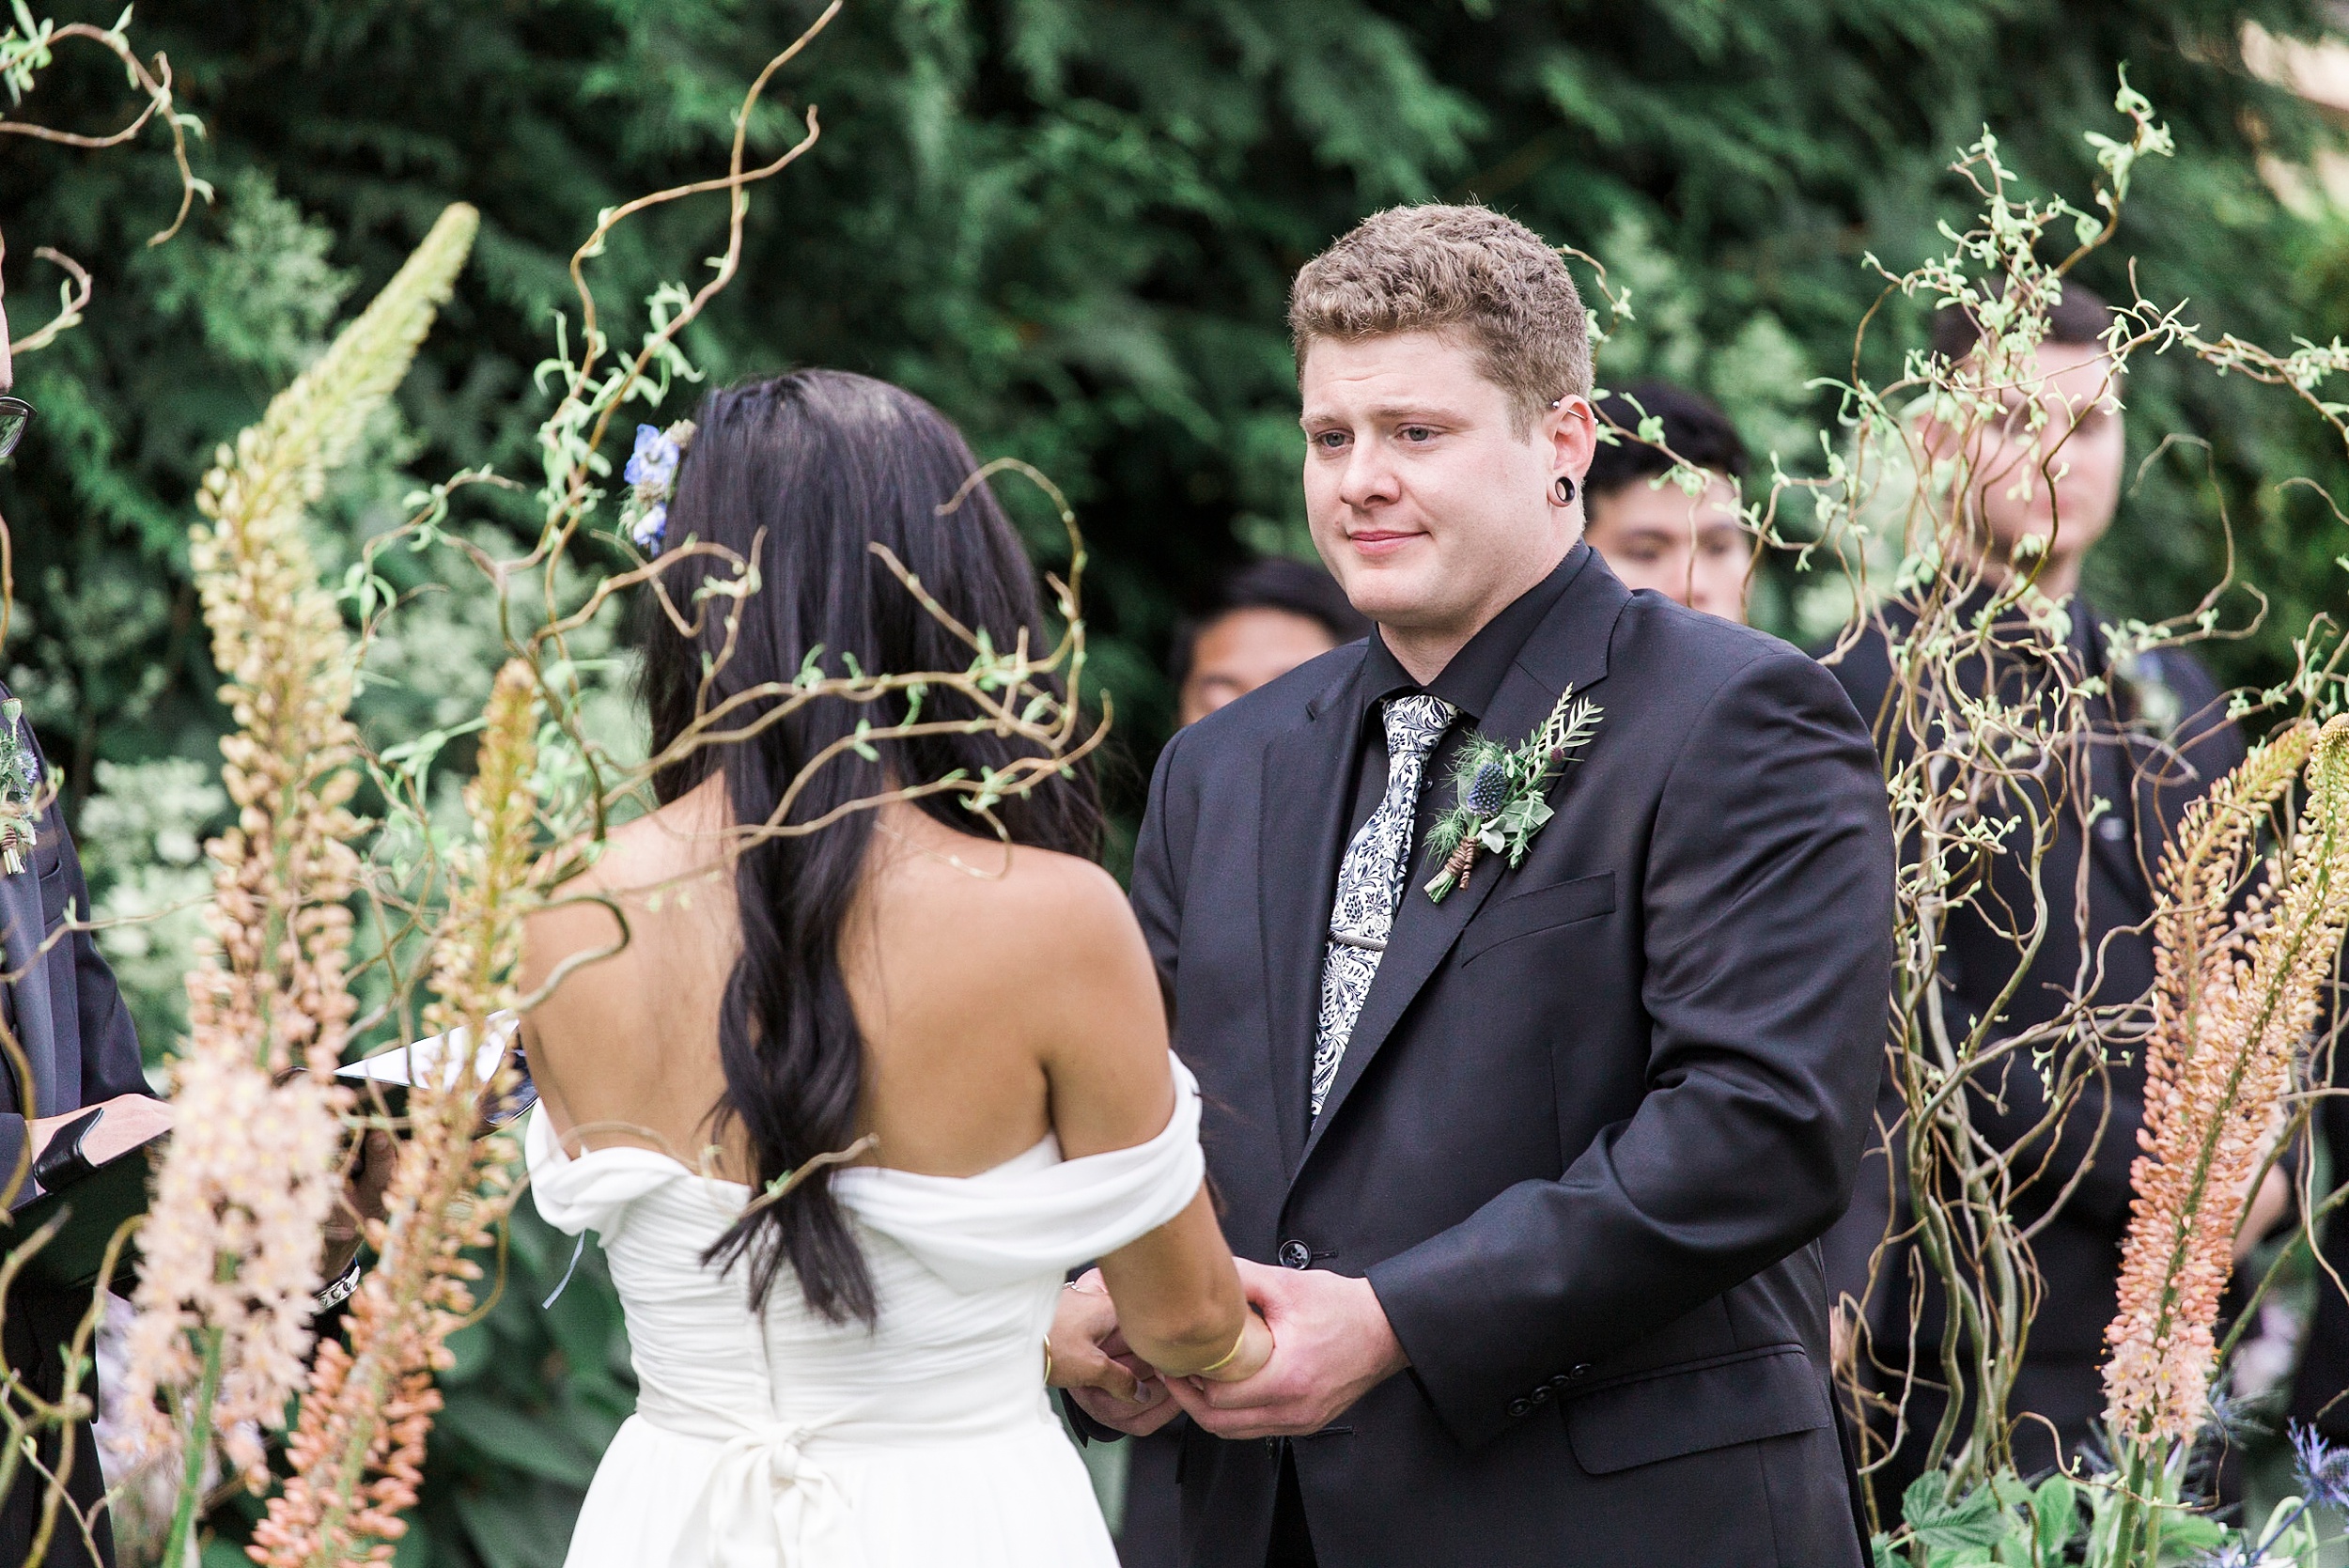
[651, 476]
[655, 461]
[651, 528]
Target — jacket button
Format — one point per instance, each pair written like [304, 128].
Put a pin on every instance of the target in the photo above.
[1518, 1407]
[1541, 1393]
[1579, 1370]
[1560, 1382]
[1296, 1254]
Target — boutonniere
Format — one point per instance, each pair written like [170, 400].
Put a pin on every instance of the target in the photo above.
[20, 786]
[1502, 796]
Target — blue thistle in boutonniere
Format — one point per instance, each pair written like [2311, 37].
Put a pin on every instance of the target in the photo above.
[20, 786]
[1503, 796]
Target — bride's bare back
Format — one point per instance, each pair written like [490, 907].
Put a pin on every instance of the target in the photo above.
[1003, 992]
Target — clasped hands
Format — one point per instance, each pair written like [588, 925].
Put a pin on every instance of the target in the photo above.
[1332, 1344]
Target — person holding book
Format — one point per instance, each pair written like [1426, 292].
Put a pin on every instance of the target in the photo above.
[71, 1052]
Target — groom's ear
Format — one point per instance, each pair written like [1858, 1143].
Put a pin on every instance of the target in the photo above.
[1567, 431]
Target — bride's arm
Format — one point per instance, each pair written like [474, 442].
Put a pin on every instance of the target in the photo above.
[1105, 1056]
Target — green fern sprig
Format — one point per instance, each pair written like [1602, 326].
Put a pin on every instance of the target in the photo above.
[1507, 828]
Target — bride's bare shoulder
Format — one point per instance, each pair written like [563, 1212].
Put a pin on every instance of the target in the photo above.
[996, 901]
[665, 859]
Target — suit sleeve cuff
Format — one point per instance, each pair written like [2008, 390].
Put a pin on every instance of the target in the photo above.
[1087, 1430]
[12, 1150]
[1435, 1320]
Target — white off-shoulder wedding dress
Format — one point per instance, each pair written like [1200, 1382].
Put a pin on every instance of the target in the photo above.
[781, 1440]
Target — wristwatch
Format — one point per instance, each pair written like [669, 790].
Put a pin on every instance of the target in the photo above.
[340, 1291]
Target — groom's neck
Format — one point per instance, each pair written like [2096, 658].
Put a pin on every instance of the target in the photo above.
[1425, 646]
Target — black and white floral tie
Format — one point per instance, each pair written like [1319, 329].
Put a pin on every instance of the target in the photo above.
[1371, 879]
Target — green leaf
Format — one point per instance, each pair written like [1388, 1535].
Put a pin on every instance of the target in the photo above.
[2190, 1537]
[2055, 1515]
[1975, 1520]
[526, 1529]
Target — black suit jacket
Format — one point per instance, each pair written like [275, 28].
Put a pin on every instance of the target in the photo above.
[2320, 1390]
[1594, 1114]
[77, 1035]
[2148, 781]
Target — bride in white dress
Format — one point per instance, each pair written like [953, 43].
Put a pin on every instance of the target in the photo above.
[854, 1375]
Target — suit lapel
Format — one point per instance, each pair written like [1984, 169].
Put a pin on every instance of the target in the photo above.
[27, 979]
[2115, 777]
[1307, 786]
[1569, 649]
[2118, 774]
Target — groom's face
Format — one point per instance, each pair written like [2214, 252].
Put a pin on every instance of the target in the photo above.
[1431, 507]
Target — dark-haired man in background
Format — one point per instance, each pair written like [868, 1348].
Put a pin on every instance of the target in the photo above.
[1692, 548]
[1265, 620]
[2156, 739]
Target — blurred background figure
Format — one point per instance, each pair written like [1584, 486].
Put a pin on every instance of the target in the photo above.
[2154, 742]
[1692, 548]
[1265, 619]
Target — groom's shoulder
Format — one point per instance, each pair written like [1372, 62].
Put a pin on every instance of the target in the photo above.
[1693, 659]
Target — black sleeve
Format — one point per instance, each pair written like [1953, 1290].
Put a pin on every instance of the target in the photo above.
[111, 1064]
[1768, 894]
[1157, 893]
[2320, 1387]
[2099, 1134]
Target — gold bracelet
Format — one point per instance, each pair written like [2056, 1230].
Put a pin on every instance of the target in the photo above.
[1225, 1360]
[1047, 1360]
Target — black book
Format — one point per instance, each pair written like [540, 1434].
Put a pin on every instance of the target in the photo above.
[91, 1202]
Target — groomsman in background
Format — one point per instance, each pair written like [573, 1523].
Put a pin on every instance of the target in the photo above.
[1265, 619]
[2156, 740]
[1694, 550]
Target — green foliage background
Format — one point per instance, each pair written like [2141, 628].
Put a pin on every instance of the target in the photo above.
[1072, 224]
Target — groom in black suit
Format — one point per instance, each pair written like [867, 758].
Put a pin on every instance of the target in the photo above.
[1530, 1176]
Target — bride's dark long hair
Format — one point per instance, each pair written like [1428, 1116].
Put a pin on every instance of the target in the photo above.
[799, 474]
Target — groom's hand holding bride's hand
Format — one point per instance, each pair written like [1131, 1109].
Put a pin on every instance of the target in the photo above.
[1091, 1361]
[1332, 1344]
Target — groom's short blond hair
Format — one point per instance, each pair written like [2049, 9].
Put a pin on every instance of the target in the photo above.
[1462, 271]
